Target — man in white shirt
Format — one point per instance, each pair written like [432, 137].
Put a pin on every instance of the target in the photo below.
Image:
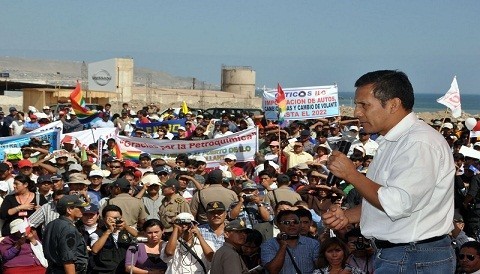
[104, 122]
[407, 207]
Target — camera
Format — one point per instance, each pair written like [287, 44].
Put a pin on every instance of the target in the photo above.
[283, 236]
[118, 220]
[248, 198]
[183, 222]
[361, 243]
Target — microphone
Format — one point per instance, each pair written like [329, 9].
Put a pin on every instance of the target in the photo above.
[343, 145]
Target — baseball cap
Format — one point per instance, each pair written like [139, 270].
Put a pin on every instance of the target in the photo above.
[172, 183]
[76, 167]
[215, 206]
[200, 159]
[274, 143]
[185, 217]
[160, 169]
[12, 109]
[69, 201]
[144, 155]
[122, 183]
[56, 177]
[231, 157]
[181, 128]
[448, 125]
[130, 163]
[150, 179]
[45, 143]
[224, 125]
[46, 107]
[305, 132]
[96, 172]
[91, 208]
[282, 178]
[15, 225]
[24, 163]
[235, 225]
[44, 179]
[249, 185]
[76, 177]
[215, 177]
[353, 128]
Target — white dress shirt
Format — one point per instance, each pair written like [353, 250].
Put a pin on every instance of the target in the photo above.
[415, 168]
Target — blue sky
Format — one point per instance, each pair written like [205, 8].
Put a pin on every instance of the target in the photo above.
[295, 43]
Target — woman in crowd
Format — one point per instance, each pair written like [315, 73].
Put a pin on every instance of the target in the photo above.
[333, 258]
[17, 251]
[20, 204]
[146, 257]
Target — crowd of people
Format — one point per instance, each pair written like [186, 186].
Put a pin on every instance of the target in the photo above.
[62, 213]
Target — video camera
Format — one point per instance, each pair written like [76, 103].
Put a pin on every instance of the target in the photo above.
[184, 222]
[362, 243]
[248, 198]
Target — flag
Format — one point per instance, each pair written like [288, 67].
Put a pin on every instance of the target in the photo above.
[78, 105]
[116, 151]
[184, 108]
[452, 99]
[281, 101]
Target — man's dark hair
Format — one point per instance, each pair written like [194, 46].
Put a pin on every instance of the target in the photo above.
[255, 237]
[458, 156]
[267, 173]
[389, 84]
[354, 232]
[302, 212]
[284, 213]
[108, 208]
[472, 244]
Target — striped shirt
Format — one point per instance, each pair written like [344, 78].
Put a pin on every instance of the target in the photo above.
[208, 234]
[305, 254]
[44, 215]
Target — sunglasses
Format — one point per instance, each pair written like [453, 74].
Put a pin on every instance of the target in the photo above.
[289, 222]
[115, 166]
[469, 256]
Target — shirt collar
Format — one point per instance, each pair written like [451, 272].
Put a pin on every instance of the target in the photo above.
[401, 128]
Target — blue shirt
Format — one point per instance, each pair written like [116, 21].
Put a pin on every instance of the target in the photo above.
[305, 255]
[209, 235]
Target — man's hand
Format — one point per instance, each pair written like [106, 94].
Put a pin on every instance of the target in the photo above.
[335, 218]
[340, 165]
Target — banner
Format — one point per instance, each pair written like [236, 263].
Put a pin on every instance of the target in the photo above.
[52, 125]
[303, 103]
[89, 136]
[173, 125]
[51, 135]
[243, 144]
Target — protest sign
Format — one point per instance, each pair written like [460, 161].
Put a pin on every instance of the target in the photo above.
[243, 144]
[51, 135]
[90, 136]
[303, 103]
[172, 125]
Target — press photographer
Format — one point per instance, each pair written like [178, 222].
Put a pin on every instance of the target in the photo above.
[361, 251]
[187, 251]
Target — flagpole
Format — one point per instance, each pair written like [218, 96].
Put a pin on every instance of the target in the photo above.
[443, 120]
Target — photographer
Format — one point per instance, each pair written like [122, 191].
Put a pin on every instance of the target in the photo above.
[187, 251]
[113, 241]
[361, 252]
[251, 209]
[289, 252]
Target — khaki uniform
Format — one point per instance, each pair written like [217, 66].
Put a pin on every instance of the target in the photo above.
[215, 192]
[133, 209]
[169, 209]
[283, 193]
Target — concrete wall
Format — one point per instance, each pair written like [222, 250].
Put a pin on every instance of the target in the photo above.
[165, 98]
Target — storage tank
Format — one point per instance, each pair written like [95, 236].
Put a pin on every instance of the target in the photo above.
[238, 80]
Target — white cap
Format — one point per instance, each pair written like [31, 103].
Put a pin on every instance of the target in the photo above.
[46, 107]
[200, 159]
[96, 172]
[185, 216]
[76, 167]
[353, 128]
[231, 157]
[448, 125]
[181, 128]
[72, 112]
[16, 226]
[150, 179]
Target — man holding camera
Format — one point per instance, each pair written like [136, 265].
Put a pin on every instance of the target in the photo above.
[289, 252]
[361, 251]
[111, 242]
[187, 251]
[252, 209]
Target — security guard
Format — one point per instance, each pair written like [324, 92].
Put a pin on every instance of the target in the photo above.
[171, 206]
[64, 247]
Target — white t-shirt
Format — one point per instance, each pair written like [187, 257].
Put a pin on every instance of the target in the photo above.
[183, 262]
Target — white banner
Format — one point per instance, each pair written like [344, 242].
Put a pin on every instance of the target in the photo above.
[243, 144]
[89, 136]
[52, 125]
[304, 103]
